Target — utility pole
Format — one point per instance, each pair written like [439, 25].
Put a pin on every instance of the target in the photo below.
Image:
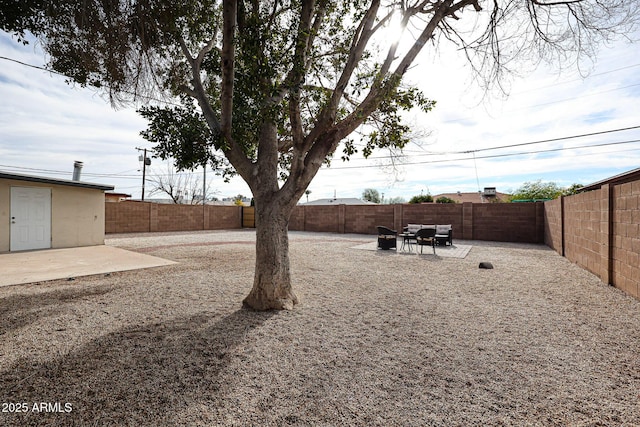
[204, 194]
[144, 171]
[145, 162]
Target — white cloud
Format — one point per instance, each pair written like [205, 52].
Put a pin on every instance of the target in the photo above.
[47, 125]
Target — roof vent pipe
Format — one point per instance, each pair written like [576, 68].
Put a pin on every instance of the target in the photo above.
[77, 168]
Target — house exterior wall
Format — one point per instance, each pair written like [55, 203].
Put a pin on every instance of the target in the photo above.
[77, 214]
[77, 217]
[5, 215]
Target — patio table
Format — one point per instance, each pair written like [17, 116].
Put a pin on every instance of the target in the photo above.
[406, 240]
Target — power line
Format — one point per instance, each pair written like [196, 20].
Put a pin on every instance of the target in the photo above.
[552, 139]
[447, 121]
[38, 67]
[542, 141]
[119, 176]
[489, 156]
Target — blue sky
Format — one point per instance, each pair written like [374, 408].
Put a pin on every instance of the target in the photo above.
[47, 125]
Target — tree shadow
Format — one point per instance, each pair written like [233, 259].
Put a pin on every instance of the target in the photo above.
[140, 375]
[17, 311]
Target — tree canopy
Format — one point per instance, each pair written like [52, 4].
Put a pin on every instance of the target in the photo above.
[539, 190]
[272, 90]
[445, 199]
[422, 198]
[371, 195]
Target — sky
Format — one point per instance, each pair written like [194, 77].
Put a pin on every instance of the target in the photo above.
[47, 124]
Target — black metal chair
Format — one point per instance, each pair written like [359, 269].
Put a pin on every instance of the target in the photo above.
[386, 237]
[426, 236]
[444, 235]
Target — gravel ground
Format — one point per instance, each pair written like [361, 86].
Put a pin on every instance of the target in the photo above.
[379, 339]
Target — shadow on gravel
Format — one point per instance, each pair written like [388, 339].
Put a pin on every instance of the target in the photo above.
[20, 310]
[142, 375]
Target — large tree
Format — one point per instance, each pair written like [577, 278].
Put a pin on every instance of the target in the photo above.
[281, 84]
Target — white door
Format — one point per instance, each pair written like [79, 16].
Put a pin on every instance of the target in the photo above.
[30, 218]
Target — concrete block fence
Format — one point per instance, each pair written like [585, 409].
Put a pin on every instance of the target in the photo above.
[140, 217]
[600, 231]
[502, 222]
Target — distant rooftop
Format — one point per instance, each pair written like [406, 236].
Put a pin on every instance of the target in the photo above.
[475, 197]
[338, 201]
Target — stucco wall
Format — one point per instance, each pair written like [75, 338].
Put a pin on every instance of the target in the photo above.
[5, 217]
[77, 214]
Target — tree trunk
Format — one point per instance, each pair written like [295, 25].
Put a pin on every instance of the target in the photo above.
[272, 281]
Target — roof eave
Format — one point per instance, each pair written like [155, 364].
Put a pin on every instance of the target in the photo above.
[54, 181]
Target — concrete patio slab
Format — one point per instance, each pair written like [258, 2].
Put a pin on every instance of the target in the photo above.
[455, 251]
[36, 266]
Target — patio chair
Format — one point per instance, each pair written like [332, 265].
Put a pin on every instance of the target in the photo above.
[386, 238]
[444, 235]
[426, 236]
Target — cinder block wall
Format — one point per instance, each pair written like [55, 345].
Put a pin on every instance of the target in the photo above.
[625, 251]
[600, 231]
[433, 213]
[178, 217]
[509, 222]
[222, 217]
[136, 217]
[319, 218]
[553, 235]
[363, 219]
[127, 217]
[584, 237]
[523, 222]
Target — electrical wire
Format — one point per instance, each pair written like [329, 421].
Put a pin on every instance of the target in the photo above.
[542, 141]
[489, 156]
[38, 67]
[122, 176]
[119, 176]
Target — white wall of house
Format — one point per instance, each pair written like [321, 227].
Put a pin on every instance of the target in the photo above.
[77, 214]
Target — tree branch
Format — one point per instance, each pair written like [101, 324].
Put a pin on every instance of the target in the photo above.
[555, 3]
[222, 125]
[359, 43]
[298, 68]
[229, 17]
